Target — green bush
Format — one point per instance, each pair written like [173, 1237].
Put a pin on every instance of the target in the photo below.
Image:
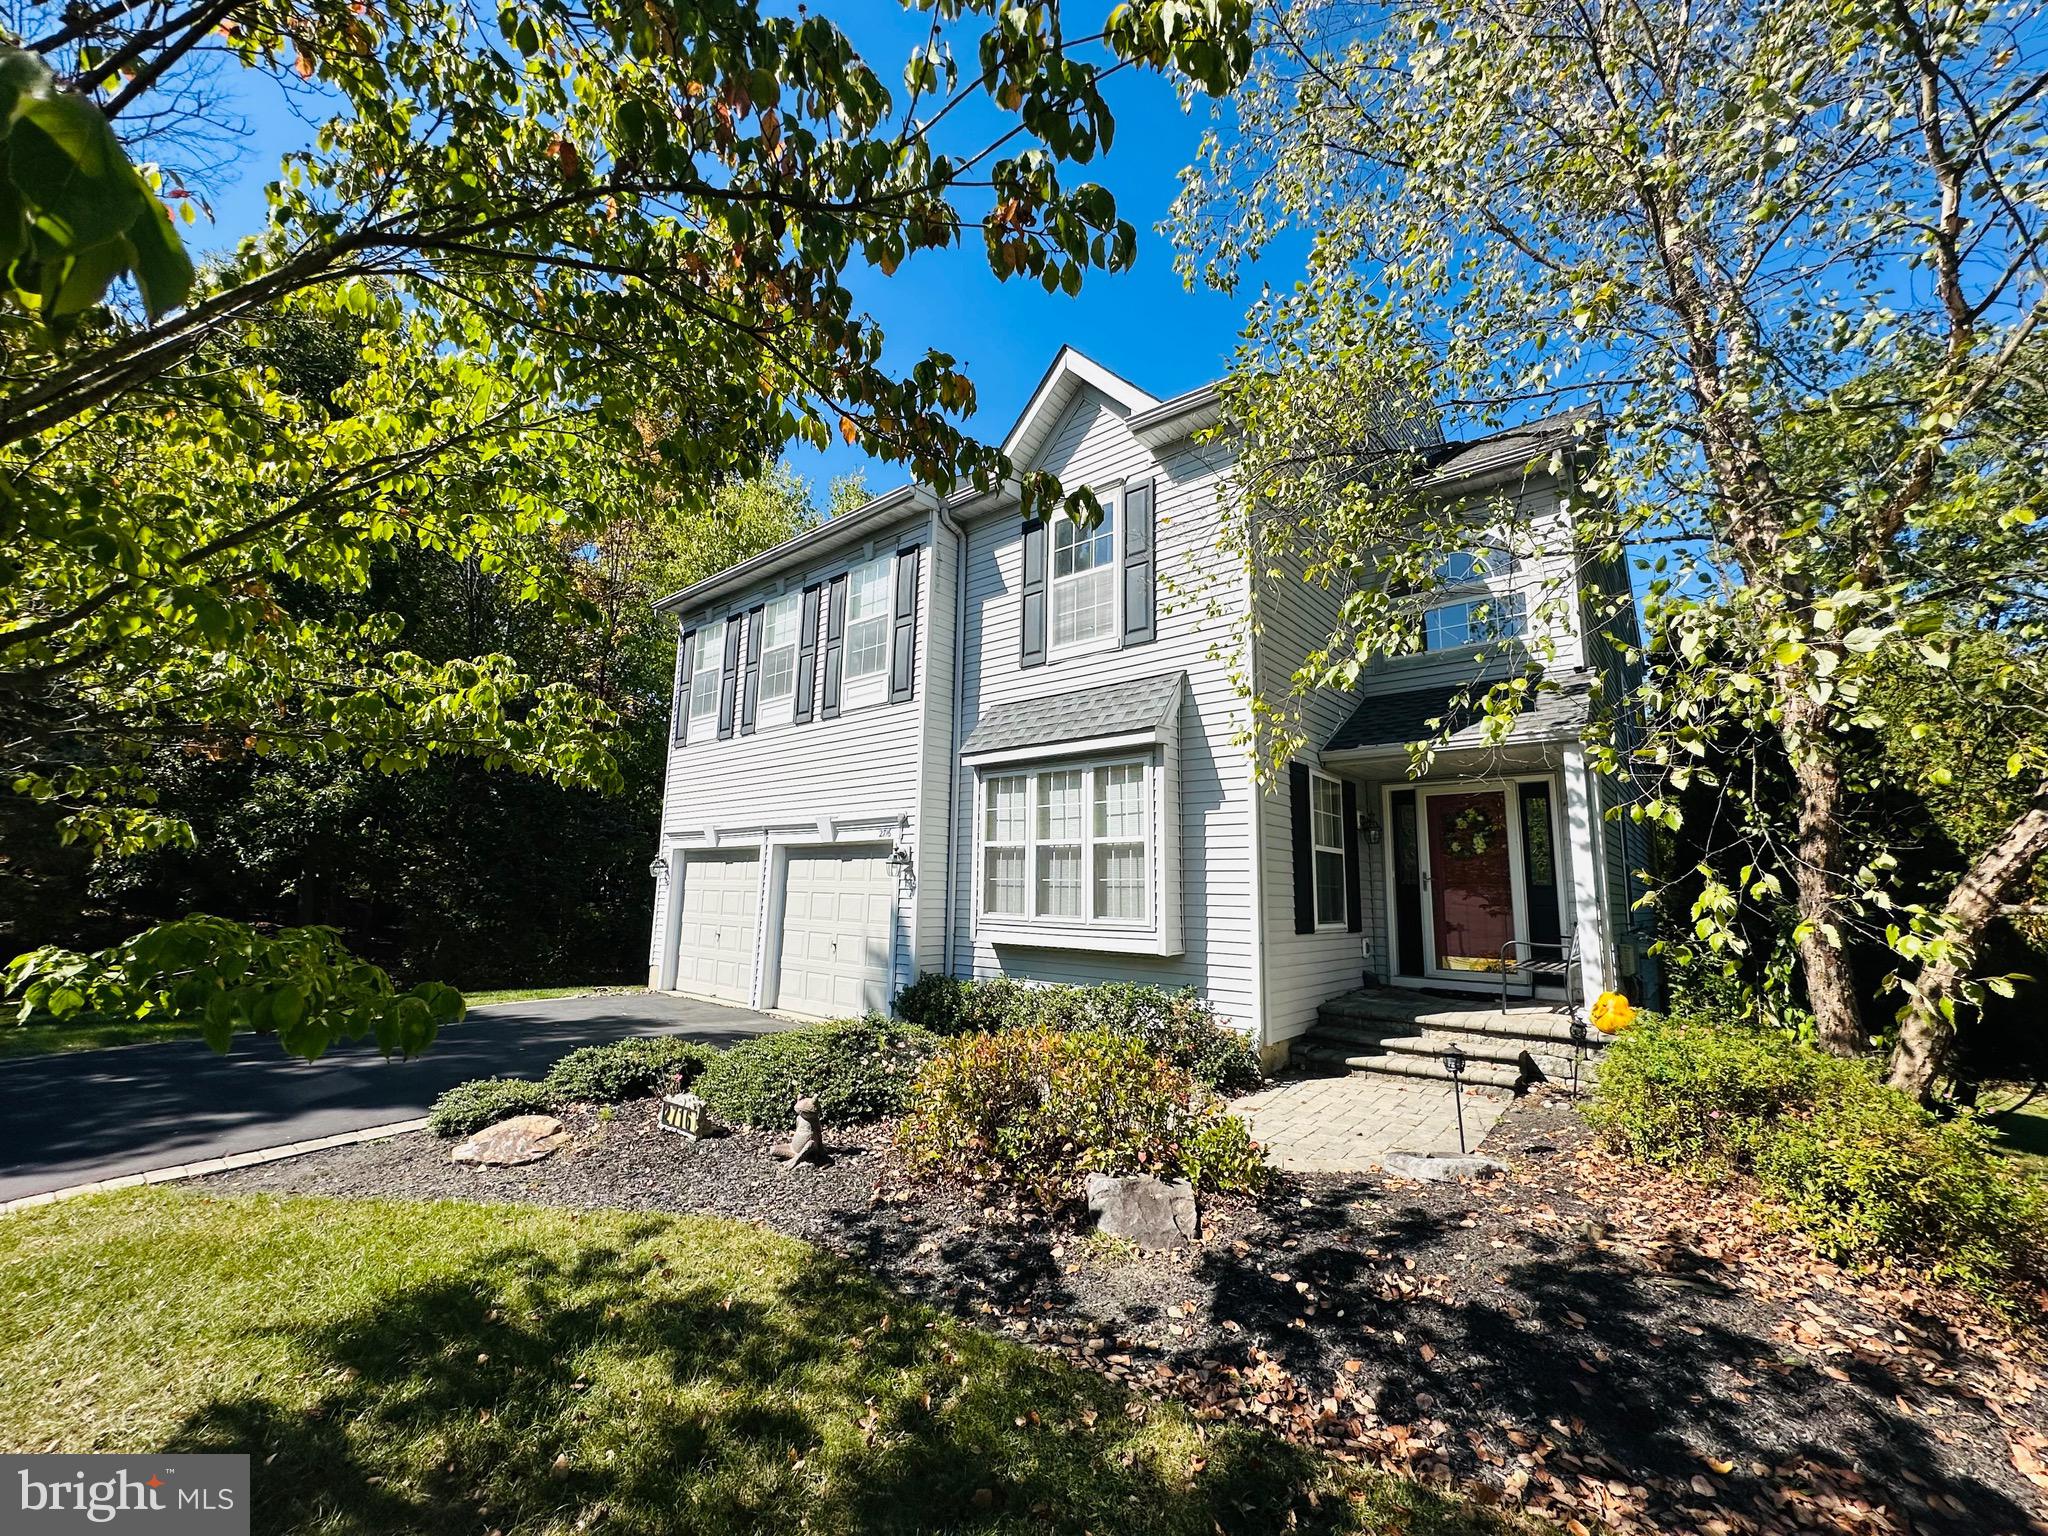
[1864, 1172]
[468, 1107]
[1038, 1109]
[625, 1069]
[1178, 1026]
[857, 1069]
[1680, 1093]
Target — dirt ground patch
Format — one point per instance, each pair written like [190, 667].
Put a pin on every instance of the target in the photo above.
[1591, 1341]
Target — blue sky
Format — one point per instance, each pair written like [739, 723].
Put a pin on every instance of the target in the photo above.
[1142, 324]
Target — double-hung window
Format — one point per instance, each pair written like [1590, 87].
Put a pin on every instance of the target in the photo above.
[1083, 587]
[1481, 615]
[707, 659]
[1004, 843]
[1068, 845]
[1326, 833]
[867, 619]
[778, 657]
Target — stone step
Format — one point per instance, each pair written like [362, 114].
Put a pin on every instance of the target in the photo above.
[1386, 1013]
[1553, 1058]
[1477, 1074]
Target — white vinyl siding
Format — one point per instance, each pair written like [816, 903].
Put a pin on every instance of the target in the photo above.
[1326, 831]
[1193, 874]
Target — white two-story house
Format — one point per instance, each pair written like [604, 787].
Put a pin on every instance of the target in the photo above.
[929, 736]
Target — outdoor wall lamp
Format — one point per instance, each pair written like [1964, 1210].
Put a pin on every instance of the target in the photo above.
[1369, 824]
[657, 867]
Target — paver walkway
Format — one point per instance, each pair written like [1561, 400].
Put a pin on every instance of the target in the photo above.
[1348, 1122]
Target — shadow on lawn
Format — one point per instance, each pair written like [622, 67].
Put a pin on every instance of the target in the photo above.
[1660, 1369]
[528, 1391]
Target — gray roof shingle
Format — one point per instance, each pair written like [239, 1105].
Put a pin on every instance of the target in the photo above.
[1117, 709]
[1512, 447]
[1397, 719]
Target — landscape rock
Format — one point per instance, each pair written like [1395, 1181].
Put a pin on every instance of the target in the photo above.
[1438, 1170]
[522, 1139]
[1153, 1213]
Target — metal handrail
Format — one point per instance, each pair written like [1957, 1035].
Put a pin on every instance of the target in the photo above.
[1567, 966]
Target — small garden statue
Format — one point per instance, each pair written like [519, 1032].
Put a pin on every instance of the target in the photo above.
[806, 1143]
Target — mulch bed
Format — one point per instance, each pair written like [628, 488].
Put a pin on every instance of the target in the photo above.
[1578, 1338]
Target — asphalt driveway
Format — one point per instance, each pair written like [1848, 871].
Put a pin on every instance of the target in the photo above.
[90, 1115]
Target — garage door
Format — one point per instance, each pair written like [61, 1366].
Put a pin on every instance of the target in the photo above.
[715, 944]
[838, 918]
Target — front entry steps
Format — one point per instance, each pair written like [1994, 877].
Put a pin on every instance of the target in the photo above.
[1388, 1032]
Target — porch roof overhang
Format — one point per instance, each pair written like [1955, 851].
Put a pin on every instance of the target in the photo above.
[1383, 726]
[1140, 712]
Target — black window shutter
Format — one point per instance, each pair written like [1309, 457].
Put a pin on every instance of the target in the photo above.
[1140, 619]
[681, 731]
[807, 655]
[750, 686]
[835, 646]
[729, 678]
[1032, 653]
[1354, 889]
[1304, 848]
[903, 627]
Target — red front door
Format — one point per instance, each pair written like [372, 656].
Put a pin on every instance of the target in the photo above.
[1471, 886]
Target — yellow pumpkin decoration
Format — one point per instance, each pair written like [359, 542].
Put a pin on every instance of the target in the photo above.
[1612, 1013]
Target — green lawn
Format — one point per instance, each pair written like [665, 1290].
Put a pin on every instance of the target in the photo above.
[2023, 1131]
[46, 1039]
[415, 1367]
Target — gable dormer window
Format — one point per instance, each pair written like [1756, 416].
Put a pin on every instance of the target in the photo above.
[1465, 608]
[1083, 587]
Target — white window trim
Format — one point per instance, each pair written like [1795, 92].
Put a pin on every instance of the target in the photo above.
[869, 687]
[710, 634]
[1342, 921]
[1112, 638]
[769, 713]
[1032, 928]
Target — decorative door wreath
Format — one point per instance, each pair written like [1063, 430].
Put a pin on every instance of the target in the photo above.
[1473, 832]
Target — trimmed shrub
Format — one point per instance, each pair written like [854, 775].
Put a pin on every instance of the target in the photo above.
[1039, 1109]
[1679, 1093]
[468, 1107]
[625, 1069]
[1864, 1172]
[857, 1069]
[1178, 1026]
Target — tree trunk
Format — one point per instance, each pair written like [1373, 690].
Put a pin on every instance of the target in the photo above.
[1927, 1028]
[1817, 873]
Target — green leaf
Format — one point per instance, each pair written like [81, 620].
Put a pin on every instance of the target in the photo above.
[72, 173]
[162, 269]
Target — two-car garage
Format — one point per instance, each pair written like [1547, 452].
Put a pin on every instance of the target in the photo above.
[829, 941]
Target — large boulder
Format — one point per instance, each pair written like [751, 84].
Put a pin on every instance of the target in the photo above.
[1153, 1213]
[522, 1139]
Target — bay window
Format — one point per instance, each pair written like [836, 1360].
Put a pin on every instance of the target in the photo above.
[1084, 833]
